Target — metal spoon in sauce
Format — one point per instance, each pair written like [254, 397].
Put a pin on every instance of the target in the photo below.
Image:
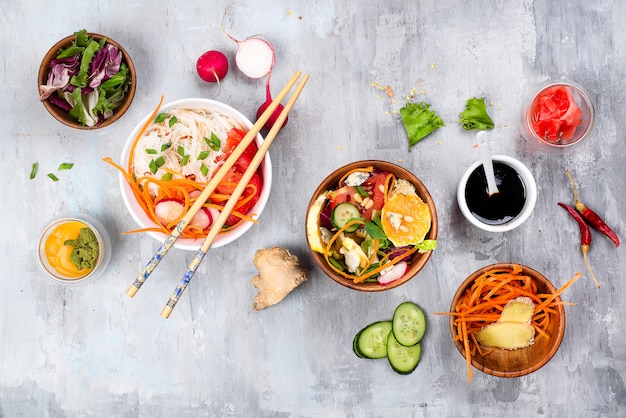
[485, 156]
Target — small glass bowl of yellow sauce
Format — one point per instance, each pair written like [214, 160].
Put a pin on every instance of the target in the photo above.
[73, 249]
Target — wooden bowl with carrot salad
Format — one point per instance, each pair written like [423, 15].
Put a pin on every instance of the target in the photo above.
[479, 304]
[371, 225]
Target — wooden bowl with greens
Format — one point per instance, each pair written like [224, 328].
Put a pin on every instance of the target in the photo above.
[371, 225]
[86, 80]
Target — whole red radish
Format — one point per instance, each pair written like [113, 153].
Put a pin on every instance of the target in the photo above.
[212, 66]
[268, 101]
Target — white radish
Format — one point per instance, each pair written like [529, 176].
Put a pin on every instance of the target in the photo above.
[255, 55]
[392, 273]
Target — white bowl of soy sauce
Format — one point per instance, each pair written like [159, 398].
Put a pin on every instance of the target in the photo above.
[502, 211]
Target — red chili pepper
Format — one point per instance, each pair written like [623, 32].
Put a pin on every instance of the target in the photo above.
[585, 236]
[591, 217]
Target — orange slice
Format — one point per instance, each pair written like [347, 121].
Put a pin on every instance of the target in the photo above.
[405, 219]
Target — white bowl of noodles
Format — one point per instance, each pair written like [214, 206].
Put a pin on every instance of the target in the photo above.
[195, 130]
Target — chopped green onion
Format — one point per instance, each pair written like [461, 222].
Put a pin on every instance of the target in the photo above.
[155, 164]
[173, 120]
[203, 155]
[204, 169]
[166, 146]
[181, 150]
[160, 117]
[53, 177]
[166, 177]
[185, 160]
[151, 151]
[214, 142]
[66, 166]
[33, 170]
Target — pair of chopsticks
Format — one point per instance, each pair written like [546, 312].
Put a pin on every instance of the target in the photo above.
[232, 201]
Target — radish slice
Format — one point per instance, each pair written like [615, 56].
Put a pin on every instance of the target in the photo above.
[167, 210]
[392, 273]
[202, 219]
[255, 57]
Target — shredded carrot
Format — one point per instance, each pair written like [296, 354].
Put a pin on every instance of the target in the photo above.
[484, 301]
[149, 191]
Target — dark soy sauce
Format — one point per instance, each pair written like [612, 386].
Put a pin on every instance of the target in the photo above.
[498, 208]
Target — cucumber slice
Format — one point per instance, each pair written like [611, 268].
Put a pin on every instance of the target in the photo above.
[403, 359]
[371, 341]
[342, 214]
[408, 324]
[355, 346]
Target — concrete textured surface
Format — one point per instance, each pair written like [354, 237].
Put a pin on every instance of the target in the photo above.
[93, 351]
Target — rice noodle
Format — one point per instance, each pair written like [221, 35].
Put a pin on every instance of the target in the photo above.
[186, 136]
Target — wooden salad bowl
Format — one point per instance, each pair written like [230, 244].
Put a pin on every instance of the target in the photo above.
[522, 361]
[63, 116]
[418, 260]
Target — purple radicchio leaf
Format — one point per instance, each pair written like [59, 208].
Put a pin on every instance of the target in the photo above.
[105, 64]
[61, 71]
[59, 102]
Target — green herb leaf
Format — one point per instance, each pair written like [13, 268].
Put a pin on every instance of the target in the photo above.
[151, 151]
[173, 120]
[66, 166]
[374, 229]
[204, 169]
[33, 170]
[361, 191]
[419, 121]
[185, 160]
[53, 177]
[166, 177]
[214, 142]
[160, 117]
[166, 146]
[475, 116]
[203, 155]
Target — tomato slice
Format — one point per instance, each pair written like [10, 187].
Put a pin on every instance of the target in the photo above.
[342, 195]
[254, 190]
[373, 187]
[233, 139]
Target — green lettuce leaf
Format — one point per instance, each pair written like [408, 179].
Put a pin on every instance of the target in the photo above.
[80, 79]
[427, 245]
[419, 121]
[475, 116]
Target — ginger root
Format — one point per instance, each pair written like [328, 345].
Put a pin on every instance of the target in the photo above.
[279, 274]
